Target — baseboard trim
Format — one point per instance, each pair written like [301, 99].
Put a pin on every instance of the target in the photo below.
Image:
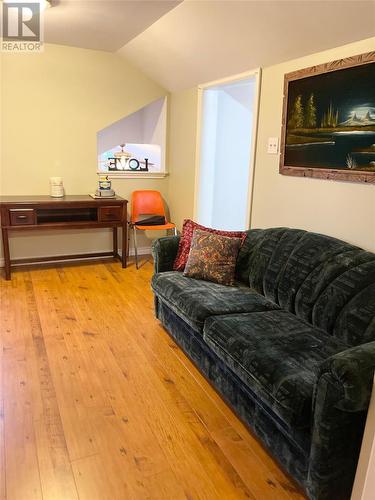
[141, 251]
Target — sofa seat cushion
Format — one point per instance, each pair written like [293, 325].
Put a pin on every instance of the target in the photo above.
[195, 300]
[277, 356]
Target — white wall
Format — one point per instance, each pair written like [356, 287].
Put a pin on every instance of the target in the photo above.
[128, 129]
[147, 125]
[233, 156]
[143, 133]
[227, 112]
[208, 157]
[154, 122]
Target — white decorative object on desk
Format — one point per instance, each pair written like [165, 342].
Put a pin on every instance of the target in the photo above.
[104, 188]
[56, 187]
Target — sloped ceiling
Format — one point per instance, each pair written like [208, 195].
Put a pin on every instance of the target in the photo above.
[101, 24]
[200, 41]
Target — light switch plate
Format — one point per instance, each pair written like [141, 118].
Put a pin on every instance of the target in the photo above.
[273, 145]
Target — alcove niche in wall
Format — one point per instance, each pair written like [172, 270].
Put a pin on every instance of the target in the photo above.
[135, 145]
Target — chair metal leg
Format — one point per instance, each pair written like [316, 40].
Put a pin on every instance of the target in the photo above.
[135, 247]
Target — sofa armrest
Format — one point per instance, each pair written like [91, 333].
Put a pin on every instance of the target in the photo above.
[164, 251]
[352, 370]
[341, 399]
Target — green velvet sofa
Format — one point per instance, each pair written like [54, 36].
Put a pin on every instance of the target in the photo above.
[291, 347]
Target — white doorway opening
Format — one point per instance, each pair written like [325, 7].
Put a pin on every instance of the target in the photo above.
[227, 121]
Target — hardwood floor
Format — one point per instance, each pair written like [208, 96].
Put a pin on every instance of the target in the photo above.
[97, 401]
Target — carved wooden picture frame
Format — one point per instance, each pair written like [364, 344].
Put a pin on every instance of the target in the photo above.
[328, 123]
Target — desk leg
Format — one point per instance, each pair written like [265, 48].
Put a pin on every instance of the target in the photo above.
[124, 244]
[6, 253]
[115, 242]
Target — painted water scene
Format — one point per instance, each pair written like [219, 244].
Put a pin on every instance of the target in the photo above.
[330, 123]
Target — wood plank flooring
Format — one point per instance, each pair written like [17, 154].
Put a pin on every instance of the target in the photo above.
[98, 402]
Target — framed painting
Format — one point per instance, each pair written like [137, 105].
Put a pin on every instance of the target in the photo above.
[328, 126]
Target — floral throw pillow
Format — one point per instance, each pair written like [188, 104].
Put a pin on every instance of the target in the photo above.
[188, 228]
[212, 257]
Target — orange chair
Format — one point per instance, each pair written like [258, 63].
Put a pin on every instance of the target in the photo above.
[147, 203]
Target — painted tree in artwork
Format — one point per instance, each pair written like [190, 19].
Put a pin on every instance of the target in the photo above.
[296, 119]
[310, 115]
[330, 118]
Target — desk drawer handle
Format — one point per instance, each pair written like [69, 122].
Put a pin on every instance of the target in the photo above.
[21, 216]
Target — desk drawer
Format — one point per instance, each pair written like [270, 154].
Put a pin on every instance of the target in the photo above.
[22, 216]
[110, 214]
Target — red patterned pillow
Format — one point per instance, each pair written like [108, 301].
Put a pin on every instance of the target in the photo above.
[187, 235]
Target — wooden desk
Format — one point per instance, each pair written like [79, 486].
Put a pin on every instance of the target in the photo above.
[20, 213]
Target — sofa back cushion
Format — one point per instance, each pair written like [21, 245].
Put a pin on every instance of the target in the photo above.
[322, 280]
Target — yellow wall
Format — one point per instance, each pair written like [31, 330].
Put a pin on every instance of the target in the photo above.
[54, 103]
[341, 209]
[345, 210]
[181, 157]
[52, 106]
